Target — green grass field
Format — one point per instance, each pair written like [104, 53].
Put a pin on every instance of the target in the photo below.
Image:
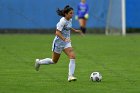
[117, 58]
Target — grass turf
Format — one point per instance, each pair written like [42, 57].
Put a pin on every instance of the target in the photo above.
[117, 58]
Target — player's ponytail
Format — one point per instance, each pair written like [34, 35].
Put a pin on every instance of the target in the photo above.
[64, 11]
[60, 12]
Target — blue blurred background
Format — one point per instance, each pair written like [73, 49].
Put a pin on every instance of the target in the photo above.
[41, 14]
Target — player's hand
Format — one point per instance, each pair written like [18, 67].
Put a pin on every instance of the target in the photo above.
[81, 33]
[76, 17]
[67, 40]
[86, 16]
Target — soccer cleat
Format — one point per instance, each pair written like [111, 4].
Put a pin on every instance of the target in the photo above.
[72, 78]
[37, 65]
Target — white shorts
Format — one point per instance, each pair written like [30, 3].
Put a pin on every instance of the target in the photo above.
[59, 49]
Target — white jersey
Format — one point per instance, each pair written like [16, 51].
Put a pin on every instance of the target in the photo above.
[64, 26]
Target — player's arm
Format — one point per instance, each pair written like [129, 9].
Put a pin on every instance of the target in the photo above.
[74, 30]
[59, 28]
[77, 31]
[59, 34]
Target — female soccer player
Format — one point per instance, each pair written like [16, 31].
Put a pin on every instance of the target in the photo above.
[62, 42]
[82, 15]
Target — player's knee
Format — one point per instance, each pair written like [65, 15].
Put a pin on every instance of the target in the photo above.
[55, 61]
[72, 57]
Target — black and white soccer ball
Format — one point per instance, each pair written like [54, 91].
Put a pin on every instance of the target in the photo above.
[96, 76]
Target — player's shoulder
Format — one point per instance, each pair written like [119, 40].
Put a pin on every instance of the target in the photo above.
[63, 19]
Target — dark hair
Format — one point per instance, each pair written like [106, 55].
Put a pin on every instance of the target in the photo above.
[64, 11]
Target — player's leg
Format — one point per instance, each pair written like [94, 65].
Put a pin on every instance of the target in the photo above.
[82, 23]
[55, 57]
[70, 53]
[47, 61]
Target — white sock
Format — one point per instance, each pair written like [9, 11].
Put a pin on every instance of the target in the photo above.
[71, 67]
[46, 61]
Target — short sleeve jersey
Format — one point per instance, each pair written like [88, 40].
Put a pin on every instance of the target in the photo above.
[64, 26]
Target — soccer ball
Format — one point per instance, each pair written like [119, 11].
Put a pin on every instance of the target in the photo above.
[95, 76]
